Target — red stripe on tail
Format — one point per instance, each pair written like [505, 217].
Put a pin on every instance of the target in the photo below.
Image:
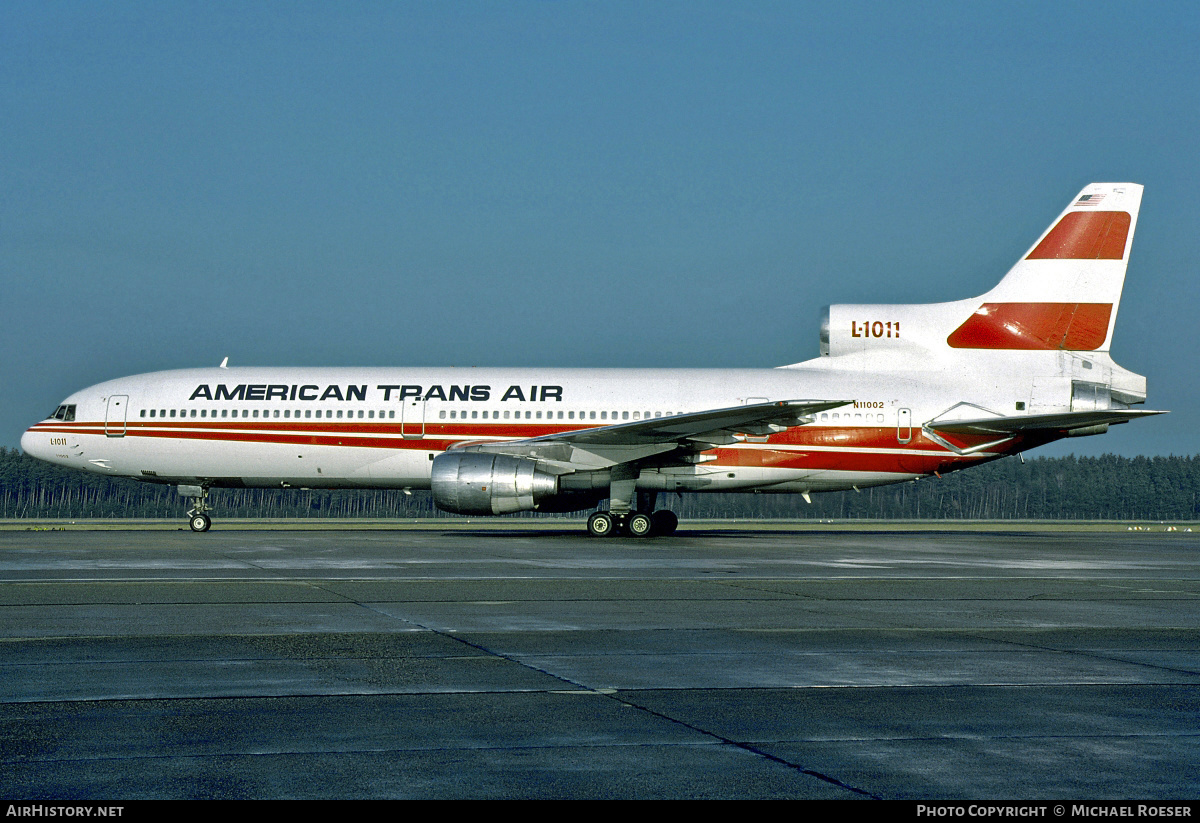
[1034, 326]
[1085, 235]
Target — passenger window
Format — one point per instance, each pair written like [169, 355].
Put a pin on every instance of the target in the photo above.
[624, 415]
[143, 414]
[592, 415]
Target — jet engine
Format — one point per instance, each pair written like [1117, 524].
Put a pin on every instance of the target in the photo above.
[466, 482]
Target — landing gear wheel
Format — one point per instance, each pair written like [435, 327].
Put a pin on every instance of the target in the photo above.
[639, 525]
[601, 524]
[200, 522]
[665, 522]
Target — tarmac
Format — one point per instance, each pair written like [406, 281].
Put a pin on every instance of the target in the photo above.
[538, 663]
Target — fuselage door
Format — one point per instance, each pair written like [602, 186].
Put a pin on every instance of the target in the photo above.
[412, 418]
[114, 416]
[904, 425]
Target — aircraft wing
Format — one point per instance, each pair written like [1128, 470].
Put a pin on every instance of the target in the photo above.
[623, 442]
[1024, 424]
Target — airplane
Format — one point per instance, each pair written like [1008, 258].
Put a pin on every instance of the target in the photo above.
[899, 392]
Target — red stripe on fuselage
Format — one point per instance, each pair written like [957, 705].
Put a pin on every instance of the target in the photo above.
[848, 448]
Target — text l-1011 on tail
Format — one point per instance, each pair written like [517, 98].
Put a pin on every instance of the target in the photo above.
[899, 392]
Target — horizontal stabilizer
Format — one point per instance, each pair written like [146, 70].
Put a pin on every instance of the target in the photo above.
[1024, 424]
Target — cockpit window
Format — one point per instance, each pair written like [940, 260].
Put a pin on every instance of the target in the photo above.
[65, 413]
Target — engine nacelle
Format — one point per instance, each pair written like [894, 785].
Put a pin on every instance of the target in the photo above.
[466, 482]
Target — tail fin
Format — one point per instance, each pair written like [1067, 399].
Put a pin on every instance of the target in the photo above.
[1064, 293]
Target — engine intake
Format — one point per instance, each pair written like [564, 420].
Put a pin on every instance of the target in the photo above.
[478, 483]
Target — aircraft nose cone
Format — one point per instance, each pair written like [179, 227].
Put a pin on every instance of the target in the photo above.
[33, 444]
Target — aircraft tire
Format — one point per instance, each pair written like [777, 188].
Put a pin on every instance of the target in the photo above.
[200, 522]
[601, 524]
[665, 522]
[639, 524]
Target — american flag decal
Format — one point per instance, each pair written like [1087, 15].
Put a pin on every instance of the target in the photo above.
[1089, 199]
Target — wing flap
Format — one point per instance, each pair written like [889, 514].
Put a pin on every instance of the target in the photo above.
[639, 439]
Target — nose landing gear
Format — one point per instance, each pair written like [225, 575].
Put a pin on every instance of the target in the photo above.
[198, 519]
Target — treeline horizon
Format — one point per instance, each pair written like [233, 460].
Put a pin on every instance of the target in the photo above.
[1109, 487]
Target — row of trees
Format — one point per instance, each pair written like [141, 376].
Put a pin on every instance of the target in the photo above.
[1064, 488]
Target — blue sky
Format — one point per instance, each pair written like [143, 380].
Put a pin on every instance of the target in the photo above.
[569, 184]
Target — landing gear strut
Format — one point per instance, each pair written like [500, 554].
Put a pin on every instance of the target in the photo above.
[198, 519]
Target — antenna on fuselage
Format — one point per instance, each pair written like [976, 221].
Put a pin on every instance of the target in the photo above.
[225, 363]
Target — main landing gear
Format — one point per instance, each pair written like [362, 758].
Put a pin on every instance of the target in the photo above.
[198, 518]
[634, 524]
[632, 520]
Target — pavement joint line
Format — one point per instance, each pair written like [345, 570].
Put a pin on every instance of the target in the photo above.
[747, 747]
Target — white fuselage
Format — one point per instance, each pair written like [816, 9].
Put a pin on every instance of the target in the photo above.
[380, 427]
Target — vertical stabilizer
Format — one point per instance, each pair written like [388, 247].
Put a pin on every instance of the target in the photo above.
[1064, 293]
